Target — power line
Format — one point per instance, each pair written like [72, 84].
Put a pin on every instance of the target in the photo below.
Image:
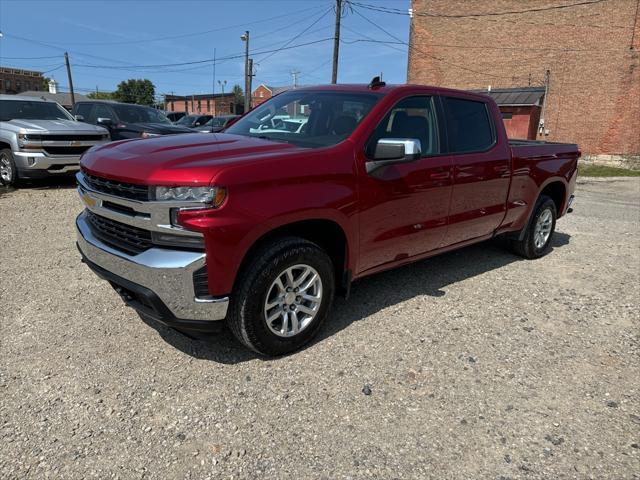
[413, 47]
[208, 60]
[397, 11]
[288, 42]
[194, 34]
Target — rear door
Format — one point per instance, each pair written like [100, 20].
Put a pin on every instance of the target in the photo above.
[481, 169]
[404, 207]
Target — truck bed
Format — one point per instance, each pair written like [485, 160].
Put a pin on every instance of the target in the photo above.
[539, 149]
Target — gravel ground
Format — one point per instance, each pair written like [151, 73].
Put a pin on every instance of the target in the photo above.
[475, 364]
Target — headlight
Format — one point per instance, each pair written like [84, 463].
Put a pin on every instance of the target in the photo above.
[213, 195]
[149, 134]
[29, 137]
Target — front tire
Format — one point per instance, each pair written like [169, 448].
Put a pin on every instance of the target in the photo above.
[8, 170]
[282, 296]
[536, 241]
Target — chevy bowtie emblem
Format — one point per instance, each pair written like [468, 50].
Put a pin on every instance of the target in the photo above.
[75, 143]
[88, 200]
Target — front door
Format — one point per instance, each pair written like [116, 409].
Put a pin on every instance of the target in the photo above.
[405, 206]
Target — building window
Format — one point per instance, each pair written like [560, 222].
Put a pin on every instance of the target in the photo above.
[261, 94]
[506, 115]
[199, 107]
[208, 105]
[7, 84]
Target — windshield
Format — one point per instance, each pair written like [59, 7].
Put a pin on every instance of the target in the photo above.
[216, 122]
[139, 114]
[307, 118]
[187, 120]
[27, 110]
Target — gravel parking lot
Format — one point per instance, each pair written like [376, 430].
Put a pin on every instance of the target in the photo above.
[477, 364]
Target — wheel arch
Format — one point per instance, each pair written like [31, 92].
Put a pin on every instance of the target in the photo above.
[328, 234]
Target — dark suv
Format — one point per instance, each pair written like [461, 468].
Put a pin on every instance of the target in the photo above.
[124, 120]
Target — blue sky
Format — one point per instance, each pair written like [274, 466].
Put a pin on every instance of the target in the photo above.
[113, 40]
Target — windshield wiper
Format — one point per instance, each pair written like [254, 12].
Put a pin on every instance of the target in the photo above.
[264, 137]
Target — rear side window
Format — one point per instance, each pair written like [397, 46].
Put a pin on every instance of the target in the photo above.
[469, 126]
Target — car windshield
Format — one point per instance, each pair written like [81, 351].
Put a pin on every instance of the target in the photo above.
[139, 114]
[307, 118]
[216, 122]
[187, 120]
[28, 110]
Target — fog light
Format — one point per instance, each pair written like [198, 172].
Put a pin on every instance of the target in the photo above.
[31, 161]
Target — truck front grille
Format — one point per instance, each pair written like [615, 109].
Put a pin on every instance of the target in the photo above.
[71, 138]
[66, 150]
[126, 238]
[118, 189]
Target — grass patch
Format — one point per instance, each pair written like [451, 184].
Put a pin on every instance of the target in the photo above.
[605, 171]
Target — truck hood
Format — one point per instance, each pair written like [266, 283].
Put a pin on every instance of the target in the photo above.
[55, 126]
[178, 160]
[162, 128]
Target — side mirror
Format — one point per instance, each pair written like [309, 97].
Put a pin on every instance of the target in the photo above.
[79, 118]
[390, 151]
[107, 122]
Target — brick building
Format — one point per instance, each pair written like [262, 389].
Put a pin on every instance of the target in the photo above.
[17, 80]
[263, 92]
[207, 104]
[591, 51]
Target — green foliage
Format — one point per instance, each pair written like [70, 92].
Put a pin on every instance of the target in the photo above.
[140, 91]
[101, 95]
[586, 170]
[238, 94]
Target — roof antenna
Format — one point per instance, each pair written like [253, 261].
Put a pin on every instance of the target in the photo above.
[376, 83]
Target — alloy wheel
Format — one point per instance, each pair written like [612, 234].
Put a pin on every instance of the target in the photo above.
[542, 231]
[293, 300]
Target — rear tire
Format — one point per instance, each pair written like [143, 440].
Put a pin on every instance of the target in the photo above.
[282, 296]
[8, 170]
[536, 241]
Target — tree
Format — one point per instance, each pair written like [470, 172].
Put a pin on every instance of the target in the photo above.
[100, 95]
[238, 95]
[140, 91]
[45, 84]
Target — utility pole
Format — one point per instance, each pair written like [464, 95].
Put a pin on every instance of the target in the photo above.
[213, 99]
[73, 97]
[336, 42]
[251, 75]
[294, 74]
[247, 72]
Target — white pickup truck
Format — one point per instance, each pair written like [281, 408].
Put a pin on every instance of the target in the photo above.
[39, 138]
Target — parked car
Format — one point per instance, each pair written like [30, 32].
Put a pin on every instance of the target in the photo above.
[216, 124]
[125, 120]
[262, 230]
[175, 116]
[39, 138]
[193, 121]
[291, 125]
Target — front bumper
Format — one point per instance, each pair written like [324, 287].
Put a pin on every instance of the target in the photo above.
[158, 282]
[37, 164]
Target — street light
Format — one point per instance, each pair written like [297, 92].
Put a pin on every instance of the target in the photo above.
[222, 85]
[247, 73]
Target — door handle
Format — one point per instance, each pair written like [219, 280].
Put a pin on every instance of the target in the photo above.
[439, 176]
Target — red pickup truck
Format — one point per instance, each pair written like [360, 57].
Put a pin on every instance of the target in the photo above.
[260, 226]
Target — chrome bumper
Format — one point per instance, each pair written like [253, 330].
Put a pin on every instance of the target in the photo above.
[26, 161]
[167, 273]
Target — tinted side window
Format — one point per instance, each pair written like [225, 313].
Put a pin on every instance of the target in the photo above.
[101, 111]
[412, 117]
[468, 125]
[83, 109]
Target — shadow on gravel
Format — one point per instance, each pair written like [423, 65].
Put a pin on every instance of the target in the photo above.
[50, 183]
[368, 296]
